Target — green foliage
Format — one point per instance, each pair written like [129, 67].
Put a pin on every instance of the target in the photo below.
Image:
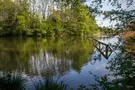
[20, 25]
[55, 23]
[119, 15]
[17, 20]
[85, 22]
[73, 21]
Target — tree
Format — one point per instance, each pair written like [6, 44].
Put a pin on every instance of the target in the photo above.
[120, 15]
[54, 17]
[75, 20]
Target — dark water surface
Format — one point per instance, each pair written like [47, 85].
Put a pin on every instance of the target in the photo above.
[70, 58]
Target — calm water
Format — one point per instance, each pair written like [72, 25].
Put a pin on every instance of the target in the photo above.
[70, 58]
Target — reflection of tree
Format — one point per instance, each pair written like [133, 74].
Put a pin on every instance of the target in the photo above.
[44, 56]
[12, 51]
[75, 49]
[122, 69]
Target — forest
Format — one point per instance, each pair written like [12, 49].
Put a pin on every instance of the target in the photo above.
[45, 18]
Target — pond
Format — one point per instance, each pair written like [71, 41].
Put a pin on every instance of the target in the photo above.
[72, 59]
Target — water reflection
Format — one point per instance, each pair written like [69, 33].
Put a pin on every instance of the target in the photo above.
[103, 48]
[44, 56]
[71, 58]
[121, 75]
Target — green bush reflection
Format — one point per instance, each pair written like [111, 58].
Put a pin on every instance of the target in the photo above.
[44, 56]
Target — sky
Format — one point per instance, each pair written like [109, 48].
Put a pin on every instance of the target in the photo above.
[107, 7]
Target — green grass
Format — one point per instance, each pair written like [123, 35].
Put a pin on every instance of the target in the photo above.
[14, 81]
[51, 84]
[11, 81]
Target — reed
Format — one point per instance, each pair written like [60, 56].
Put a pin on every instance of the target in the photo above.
[11, 81]
[51, 84]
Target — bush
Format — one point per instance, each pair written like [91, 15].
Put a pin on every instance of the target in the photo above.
[51, 84]
[11, 81]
